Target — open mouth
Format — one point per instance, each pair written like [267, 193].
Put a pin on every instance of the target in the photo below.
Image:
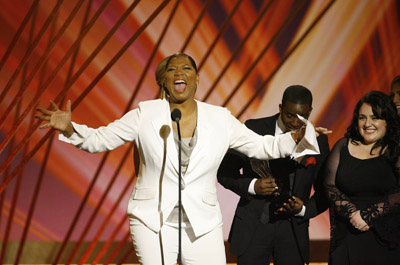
[369, 131]
[180, 85]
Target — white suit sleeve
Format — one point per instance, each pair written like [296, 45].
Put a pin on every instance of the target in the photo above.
[105, 138]
[308, 145]
[264, 147]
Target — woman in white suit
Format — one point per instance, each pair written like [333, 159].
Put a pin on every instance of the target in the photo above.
[207, 132]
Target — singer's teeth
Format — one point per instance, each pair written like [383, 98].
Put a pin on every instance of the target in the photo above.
[180, 85]
[178, 82]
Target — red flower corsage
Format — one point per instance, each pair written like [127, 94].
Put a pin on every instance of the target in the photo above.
[310, 161]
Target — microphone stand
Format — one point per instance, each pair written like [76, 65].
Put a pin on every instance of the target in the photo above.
[176, 116]
[164, 132]
[179, 195]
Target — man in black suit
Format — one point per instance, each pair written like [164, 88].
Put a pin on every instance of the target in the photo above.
[272, 216]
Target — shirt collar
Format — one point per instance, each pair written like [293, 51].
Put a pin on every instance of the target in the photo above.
[280, 128]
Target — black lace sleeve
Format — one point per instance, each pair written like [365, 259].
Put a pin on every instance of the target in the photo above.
[388, 206]
[339, 201]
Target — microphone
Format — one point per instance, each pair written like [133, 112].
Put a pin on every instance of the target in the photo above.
[165, 131]
[176, 115]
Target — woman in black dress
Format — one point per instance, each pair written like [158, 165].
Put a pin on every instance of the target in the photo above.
[362, 183]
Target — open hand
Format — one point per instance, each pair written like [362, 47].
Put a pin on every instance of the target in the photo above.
[58, 119]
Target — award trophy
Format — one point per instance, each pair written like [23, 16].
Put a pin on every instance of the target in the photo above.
[261, 167]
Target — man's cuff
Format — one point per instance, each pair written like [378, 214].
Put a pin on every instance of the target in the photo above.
[251, 187]
[302, 212]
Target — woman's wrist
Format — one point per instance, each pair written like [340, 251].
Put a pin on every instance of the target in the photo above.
[68, 131]
[366, 216]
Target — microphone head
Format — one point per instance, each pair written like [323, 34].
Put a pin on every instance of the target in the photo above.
[165, 131]
[176, 115]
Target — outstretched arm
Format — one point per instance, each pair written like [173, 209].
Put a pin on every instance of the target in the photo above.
[104, 138]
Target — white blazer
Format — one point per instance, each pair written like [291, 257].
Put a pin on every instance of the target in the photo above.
[155, 195]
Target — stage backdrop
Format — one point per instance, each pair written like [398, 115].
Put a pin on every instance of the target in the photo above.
[102, 55]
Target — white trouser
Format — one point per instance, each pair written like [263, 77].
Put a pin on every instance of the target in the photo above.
[162, 248]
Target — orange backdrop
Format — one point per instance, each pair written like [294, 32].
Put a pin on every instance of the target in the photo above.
[248, 52]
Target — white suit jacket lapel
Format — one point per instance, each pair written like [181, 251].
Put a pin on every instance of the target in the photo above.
[203, 133]
[165, 119]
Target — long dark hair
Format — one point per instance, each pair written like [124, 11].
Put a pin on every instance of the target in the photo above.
[383, 108]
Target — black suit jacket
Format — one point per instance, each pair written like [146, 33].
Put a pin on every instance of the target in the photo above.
[250, 207]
